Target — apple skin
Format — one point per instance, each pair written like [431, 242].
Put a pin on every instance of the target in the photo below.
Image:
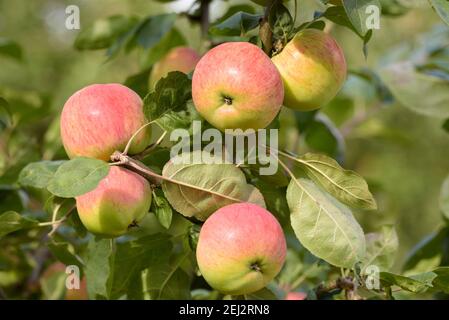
[241, 248]
[313, 68]
[182, 59]
[296, 296]
[235, 85]
[100, 119]
[120, 200]
[70, 294]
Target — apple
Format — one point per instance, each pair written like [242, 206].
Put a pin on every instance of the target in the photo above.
[120, 201]
[236, 86]
[296, 296]
[70, 294]
[313, 68]
[100, 119]
[182, 59]
[241, 248]
[78, 294]
[265, 2]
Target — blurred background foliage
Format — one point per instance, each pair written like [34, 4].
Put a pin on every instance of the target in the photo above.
[403, 155]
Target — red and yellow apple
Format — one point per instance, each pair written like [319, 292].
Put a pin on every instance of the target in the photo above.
[313, 69]
[58, 268]
[119, 202]
[182, 59]
[296, 296]
[241, 248]
[100, 119]
[236, 86]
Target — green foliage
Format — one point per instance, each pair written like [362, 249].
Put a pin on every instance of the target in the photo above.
[11, 221]
[323, 225]
[236, 25]
[77, 176]
[103, 33]
[206, 186]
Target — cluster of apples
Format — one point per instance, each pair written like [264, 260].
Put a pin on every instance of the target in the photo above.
[241, 246]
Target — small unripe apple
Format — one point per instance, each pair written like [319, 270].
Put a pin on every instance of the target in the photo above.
[236, 86]
[241, 248]
[313, 68]
[119, 202]
[100, 119]
[264, 2]
[296, 296]
[182, 59]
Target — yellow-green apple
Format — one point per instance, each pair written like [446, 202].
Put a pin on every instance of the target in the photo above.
[241, 248]
[100, 119]
[313, 68]
[119, 202]
[182, 59]
[265, 2]
[296, 296]
[236, 86]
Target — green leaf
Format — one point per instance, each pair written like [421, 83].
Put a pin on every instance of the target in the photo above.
[99, 267]
[323, 225]
[180, 119]
[104, 32]
[281, 22]
[170, 94]
[444, 198]
[78, 176]
[10, 200]
[206, 186]
[441, 282]
[427, 254]
[161, 209]
[132, 257]
[10, 49]
[416, 284]
[421, 93]
[235, 9]
[275, 201]
[171, 39]
[152, 29]
[345, 185]
[356, 12]
[139, 82]
[39, 174]
[168, 281]
[236, 25]
[262, 294]
[442, 8]
[61, 250]
[381, 248]
[11, 221]
[320, 133]
[111, 267]
[338, 15]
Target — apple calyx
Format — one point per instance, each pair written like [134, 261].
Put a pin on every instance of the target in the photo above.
[227, 100]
